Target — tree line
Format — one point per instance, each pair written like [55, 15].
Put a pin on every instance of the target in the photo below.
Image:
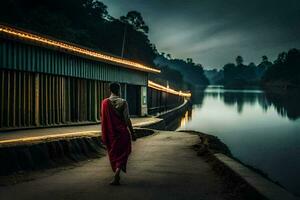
[84, 22]
[282, 72]
[184, 73]
[88, 23]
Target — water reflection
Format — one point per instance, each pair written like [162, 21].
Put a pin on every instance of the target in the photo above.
[261, 128]
[186, 118]
[285, 103]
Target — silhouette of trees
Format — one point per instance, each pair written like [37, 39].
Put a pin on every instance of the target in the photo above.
[239, 60]
[136, 20]
[172, 76]
[189, 60]
[239, 75]
[84, 22]
[285, 72]
[263, 66]
[193, 74]
[96, 9]
[215, 77]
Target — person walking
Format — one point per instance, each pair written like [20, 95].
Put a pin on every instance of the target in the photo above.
[117, 131]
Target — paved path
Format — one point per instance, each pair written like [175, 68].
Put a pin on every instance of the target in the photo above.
[162, 166]
[19, 137]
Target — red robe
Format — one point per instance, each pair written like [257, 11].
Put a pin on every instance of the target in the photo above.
[115, 136]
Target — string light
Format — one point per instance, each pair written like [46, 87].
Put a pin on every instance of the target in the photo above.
[50, 42]
[157, 86]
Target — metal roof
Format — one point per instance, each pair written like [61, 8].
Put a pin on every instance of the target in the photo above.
[47, 41]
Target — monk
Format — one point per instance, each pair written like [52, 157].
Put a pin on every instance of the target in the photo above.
[117, 131]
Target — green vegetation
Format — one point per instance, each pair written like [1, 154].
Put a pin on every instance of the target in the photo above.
[88, 23]
[84, 22]
[193, 75]
[283, 73]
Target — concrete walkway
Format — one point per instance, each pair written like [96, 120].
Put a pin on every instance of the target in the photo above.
[12, 138]
[162, 166]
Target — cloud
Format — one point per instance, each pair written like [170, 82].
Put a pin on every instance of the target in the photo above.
[213, 32]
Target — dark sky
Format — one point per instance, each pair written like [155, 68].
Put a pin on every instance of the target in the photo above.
[214, 32]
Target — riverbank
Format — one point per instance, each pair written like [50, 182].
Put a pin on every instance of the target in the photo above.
[162, 166]
[242, 181]
[211, 175]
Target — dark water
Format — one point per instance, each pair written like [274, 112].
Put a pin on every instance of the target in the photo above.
[261, 128]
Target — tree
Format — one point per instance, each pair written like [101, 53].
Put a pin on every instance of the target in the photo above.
[239, 60]
[135, 19]
[263, 66]
[229, 72]
[189, 60]
[285, 71]
[264, 58]
[83, 22]
[96, 9]
[252, 64]
[281, 58]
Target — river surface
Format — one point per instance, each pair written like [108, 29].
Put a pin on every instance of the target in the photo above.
[261, 128]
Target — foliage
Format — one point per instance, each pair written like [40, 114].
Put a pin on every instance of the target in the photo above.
[240, 75]
[215, 77]
[192, 73]
[285, 71]
[172, 76]
[85, 22]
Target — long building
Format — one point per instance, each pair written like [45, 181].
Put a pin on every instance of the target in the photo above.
[46, 82]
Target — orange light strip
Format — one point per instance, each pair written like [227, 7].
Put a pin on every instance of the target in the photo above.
[75, 49]
[157, 86]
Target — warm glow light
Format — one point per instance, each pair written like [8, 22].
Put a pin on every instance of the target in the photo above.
[184, 119]
[75, 49]
[157, 86]
[13, 142]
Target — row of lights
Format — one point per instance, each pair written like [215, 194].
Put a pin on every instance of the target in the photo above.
[157, 86]
[75, 49]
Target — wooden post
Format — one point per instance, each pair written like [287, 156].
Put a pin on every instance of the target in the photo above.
[94, 101]
[63, 99]
[47, 91]
[2, 98]
[7, 109]
[37, 100]
[14, 100]
[28, 99]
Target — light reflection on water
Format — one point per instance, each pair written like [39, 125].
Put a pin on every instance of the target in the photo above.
[262, 129]
[185, 118]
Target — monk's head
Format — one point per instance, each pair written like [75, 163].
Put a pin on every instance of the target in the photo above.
[114, 88]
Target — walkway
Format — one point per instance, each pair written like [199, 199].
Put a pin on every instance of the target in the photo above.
[162, 166]
[12, 138]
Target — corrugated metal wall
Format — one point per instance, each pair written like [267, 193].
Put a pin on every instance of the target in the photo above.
[16, 55]
[41, 87]
[17, 100]
[39, 100]
[159, 101]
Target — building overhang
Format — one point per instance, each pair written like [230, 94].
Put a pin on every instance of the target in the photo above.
[48, 42]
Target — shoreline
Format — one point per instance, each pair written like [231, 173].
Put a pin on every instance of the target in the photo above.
[212, 149]
[215, 145]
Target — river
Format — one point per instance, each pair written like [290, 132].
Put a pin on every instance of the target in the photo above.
[262, 129]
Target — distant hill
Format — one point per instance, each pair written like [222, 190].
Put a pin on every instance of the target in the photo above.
[215, 77]
[192, 73]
